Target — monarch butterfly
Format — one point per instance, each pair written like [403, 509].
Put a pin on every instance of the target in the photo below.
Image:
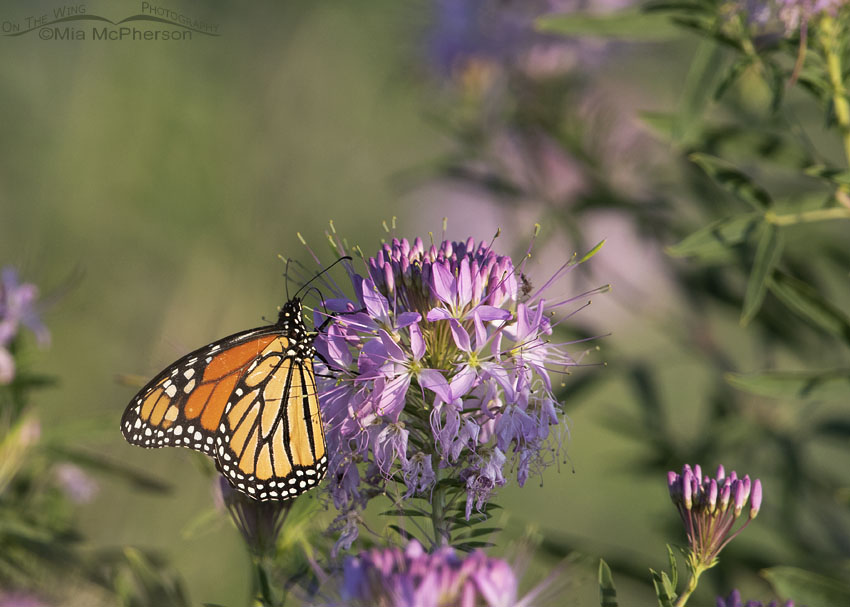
[249, 401]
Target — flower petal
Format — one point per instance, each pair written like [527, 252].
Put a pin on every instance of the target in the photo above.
[436, 314]
[460, 335]
[417, 344]
[432, 379]
[443, 284]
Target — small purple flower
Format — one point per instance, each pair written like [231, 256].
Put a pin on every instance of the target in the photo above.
[392, 577]
[17, 308]
[734, 600]
[438, 368]
[77, 485]
[710, 507]
[474, 35]
[791, 15]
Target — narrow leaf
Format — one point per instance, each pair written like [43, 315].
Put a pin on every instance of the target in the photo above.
[404, 512]
[732, 74]
[768, 254]
[623, 25]
[804, 300]
[820, 385]
[607, 591]
[807, 588]
[716, 238]
[733, 180]
[705, 64]
[833, 175]
[674, 567]
[666, 595]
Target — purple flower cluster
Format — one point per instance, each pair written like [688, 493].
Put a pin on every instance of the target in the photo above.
[466, 36]
[789, 14]
[393, 577]
[709, 508]
[17, 308]
[439, 368]
[734, 600]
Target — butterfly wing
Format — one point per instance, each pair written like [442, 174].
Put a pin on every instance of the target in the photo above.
[271, 443]
[183, 405]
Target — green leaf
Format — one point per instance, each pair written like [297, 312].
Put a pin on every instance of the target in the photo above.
[733, 180]
[674, 567]
[810, 305]
[404, 512]
[660, 123]
[699, 81]
[768, 254]
[820, 385]
[715, 239]
[402, 532]
[607, 591]
[807, 588]
[732, 74]
[478, 532]
[624, 25]
[470, 546]
[832, 175]
[663, 588]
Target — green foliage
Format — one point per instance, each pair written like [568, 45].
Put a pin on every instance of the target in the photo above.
[607, 591]
[807, 587]
[629, 25]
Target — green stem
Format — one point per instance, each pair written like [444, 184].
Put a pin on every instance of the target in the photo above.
[829, 38]
[807, 216]
[442, 534]
[692, 585]
[263, 593]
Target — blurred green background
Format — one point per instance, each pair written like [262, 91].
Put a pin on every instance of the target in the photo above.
[152, 186]
[149, 187]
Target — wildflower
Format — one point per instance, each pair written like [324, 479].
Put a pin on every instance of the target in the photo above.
[77, 485]
[392, 577]
[473, 40]
[734, 600]
[789, 15]
[710, 508]
[259, 523]
[17, 307]
[438, 368]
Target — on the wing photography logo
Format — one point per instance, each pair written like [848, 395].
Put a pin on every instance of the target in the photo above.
[74, 22]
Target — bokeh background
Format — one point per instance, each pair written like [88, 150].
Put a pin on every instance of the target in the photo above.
[149, 188]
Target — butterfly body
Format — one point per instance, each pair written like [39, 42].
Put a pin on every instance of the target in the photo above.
[249, 401]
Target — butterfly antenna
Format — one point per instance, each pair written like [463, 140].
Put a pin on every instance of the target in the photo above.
[286, 277]
[304, 286]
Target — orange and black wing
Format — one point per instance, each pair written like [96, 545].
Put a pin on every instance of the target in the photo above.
[271, 443]
[184, 404]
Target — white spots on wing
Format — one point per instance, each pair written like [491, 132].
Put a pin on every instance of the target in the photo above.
[198, 436]
[171, 390]
[178, 430]
[189, 373]
[189, 387]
